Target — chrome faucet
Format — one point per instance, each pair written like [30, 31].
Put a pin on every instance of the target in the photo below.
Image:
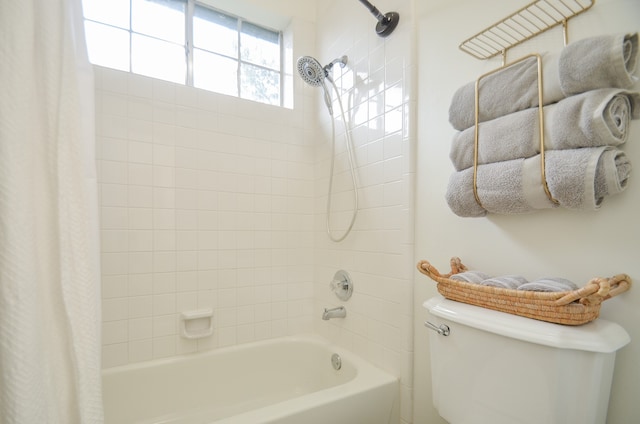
[339, 312]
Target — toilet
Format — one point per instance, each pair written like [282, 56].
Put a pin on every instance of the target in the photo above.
[498, 368]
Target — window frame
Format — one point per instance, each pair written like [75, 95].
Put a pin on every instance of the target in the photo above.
[189, 15]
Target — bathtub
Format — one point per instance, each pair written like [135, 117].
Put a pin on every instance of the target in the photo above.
[290, 380]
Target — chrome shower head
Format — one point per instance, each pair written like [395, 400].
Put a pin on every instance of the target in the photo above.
[311, 71]
[314, 74]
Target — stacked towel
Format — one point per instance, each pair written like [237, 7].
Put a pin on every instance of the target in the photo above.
[576, 178]
[470, 276]
[588, 64]
[595, 118]
[516, 282]
[549, 284]
[587, 111]
[505, 282]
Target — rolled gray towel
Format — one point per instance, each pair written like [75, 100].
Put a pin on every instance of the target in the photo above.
[577, 178]
[595, 118]
[596, 62]
[607, 61]
[505, 282]
[475, 277]
[549, 284]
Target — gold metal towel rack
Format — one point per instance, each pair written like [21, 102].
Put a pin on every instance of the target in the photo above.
[526, 23]
[543, 175]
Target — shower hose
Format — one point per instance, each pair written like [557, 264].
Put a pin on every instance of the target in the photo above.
[349, 144]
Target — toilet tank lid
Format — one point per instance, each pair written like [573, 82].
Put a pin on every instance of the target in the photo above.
[596, 336]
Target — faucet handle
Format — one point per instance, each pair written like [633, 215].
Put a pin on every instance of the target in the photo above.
[341, 285]
[336, 285]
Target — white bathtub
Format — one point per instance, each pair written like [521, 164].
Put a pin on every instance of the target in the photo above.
[288, 380]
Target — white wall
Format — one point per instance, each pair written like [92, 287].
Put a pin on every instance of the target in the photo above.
[378, 90]
[576, 245]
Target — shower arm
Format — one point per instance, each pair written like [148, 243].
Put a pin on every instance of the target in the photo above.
[386, 23]
[374, 11]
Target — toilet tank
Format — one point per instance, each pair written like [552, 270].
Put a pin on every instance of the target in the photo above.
[499, 368]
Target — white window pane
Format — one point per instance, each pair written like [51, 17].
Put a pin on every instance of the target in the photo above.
[260, 46]
[155, 43]
[107, 46]
[112, 12]
[159, 18]
[259, 84]
[158, 59]
[215, 32]
[215, 73]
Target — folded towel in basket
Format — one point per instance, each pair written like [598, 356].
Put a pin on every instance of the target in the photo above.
[595, 118]
[470, 276]
[505, 282]
[576, 178]
[549, 284]
[607, 61]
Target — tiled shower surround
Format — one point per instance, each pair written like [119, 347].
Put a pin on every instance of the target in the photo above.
[206, 202]
[209, 201]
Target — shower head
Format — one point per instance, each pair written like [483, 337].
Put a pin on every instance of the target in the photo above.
[386, 23]
[313, 73]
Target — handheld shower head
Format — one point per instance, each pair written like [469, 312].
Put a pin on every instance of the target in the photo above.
[314, 74]
[311, 71]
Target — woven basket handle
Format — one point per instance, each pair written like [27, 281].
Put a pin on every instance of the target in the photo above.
[430, 271]
[597, 290]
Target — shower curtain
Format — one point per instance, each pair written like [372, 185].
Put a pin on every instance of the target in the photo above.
[49, 257]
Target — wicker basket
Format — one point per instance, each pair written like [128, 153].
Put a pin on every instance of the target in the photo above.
[570, 307]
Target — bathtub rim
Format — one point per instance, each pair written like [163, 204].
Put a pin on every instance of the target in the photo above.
[304, 337]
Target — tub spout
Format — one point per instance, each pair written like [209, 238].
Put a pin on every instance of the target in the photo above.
[339, 312]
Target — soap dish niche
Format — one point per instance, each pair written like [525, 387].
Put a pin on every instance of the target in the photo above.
[196, 324]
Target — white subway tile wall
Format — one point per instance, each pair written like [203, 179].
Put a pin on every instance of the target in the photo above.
[377, 90]
[206, 202]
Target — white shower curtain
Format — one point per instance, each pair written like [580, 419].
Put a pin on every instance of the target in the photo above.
[49, 257]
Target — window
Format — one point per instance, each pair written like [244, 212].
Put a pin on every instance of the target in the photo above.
[186, 42]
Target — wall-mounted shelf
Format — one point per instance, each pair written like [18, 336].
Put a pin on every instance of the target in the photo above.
[523, 25]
